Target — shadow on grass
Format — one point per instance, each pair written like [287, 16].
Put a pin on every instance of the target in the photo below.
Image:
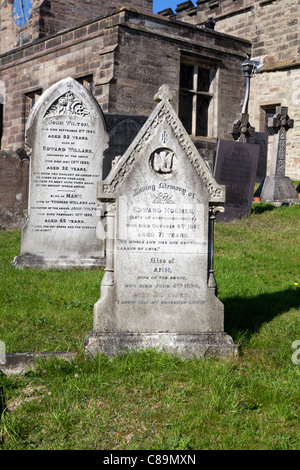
[248, 314]
[261, 208]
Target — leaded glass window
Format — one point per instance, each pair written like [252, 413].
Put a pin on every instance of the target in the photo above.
[195, 97]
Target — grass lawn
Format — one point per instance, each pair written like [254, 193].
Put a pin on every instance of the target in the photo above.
[151, 400]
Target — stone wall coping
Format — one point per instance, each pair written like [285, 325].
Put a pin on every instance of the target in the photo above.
[123, 13]
[279, 65]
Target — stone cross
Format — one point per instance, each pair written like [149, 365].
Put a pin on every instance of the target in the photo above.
[163, 94]
[280, 123]
[278, 188]
[241, 128]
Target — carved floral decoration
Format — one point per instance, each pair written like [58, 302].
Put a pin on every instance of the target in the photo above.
[68, 104]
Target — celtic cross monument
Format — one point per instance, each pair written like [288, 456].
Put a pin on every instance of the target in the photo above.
[278, 188]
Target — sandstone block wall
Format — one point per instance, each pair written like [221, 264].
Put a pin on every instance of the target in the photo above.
[129, 55]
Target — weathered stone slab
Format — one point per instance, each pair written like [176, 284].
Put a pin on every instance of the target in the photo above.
[159, 289]
[236, 166]
[13, 189]
[261, 139]
[67, 135]
[17, 363]
[183, 345]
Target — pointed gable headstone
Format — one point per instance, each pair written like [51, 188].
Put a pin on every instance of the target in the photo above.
[159, 290]
[67, 135]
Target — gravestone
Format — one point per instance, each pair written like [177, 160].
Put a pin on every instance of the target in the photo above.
[277, 188]
[261, 139]
[237, 162]
[13, 189]
[159, 289]
[236, 167]
[67, 135]
[122, 129]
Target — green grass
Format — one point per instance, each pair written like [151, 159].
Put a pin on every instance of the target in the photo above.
[44, 310]
[151, 400]
[257, 264]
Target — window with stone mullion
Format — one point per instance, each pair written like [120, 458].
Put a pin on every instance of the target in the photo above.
[194, 98]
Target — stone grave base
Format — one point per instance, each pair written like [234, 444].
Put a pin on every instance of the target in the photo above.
[40, 262]
[277, 190]
[182, 345]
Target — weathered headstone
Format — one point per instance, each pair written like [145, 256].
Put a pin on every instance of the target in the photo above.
[67, 135]
[278, 188]
[159, 290]
[261, 139]
[236, 166]
[13, 189]
[237, 162]
[122, 129]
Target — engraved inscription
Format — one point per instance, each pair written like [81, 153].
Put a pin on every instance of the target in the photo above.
[165, 236]
[64, 177]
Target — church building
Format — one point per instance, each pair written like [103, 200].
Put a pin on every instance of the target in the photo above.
[123, 54]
